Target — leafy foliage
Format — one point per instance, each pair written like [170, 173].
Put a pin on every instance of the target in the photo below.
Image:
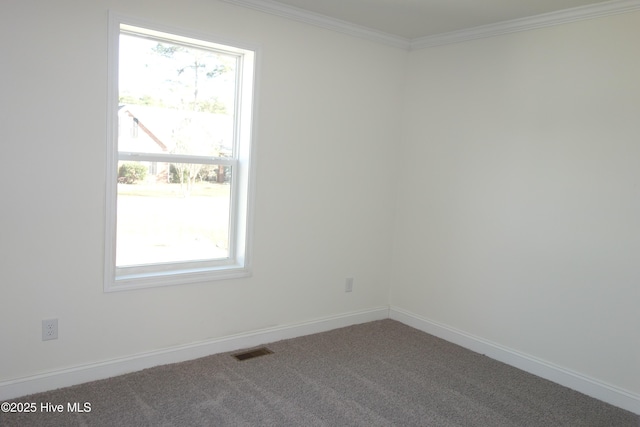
[130, 173]
[141, 100]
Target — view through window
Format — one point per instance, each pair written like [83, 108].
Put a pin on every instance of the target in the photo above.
[180, 182]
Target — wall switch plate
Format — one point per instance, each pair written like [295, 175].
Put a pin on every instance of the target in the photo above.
[348, 284]
[49, 329]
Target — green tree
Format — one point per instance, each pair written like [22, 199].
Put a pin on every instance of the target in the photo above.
[193, 65]
[198, 63]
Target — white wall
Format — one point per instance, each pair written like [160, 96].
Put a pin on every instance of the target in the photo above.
[519, 205]
[328, 114]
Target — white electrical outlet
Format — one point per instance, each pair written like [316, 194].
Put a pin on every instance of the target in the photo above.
[348, 284]
[49, 329]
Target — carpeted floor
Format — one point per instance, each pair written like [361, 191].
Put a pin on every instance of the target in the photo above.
[381, 373]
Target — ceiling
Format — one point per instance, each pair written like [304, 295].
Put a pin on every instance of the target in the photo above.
[413, 19]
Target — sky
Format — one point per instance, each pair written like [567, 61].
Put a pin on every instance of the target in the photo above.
[144, 72]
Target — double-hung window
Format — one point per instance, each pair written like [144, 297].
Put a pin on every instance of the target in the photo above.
[179, 157]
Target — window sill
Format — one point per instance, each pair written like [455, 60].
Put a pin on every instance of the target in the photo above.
[175, 277]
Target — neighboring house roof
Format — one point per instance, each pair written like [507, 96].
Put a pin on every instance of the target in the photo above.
[146, 130]
[176, 131]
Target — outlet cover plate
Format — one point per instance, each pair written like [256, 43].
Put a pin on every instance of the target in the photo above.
[49, 329]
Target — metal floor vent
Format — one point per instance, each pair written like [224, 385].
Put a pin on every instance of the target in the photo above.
[262, 351]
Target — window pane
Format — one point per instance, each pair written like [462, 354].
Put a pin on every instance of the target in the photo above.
[175, 98]
[185, 219]
[180, 114]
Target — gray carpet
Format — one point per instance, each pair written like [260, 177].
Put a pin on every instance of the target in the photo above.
[381, 373]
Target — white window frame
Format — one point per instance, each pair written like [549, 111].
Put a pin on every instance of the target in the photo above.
[238, 264]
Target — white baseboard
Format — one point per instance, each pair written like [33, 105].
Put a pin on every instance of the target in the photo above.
[573, 380]
[110, 368]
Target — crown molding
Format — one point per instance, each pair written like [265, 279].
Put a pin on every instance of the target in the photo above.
[580, 13]
[323, 21]
[530, 23]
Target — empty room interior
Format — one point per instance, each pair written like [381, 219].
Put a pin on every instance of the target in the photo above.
[478, 182]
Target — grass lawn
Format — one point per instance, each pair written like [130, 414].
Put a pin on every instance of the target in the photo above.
[158, 223]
